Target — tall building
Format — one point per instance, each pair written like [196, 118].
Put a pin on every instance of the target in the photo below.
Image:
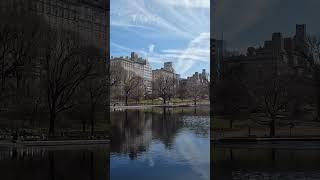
[300, 37]
[278, 56]
[200, 77]
[166, 71]
[168, 66]
[89, 18]
[218, 53]
[135, 65]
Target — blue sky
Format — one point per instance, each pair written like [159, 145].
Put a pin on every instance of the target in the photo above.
[250, 22]
[163, 30]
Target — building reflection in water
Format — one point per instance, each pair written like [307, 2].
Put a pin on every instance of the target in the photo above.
[134, 130]
[266, 161]
[41, 163]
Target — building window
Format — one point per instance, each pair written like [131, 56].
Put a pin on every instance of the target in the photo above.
[48, 8]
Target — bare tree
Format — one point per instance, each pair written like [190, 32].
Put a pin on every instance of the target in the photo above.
[19, 42]
[164, 87]
[131, 86]
[138, 92]
[116, 76]
[311, 55]
[126, 84]
[7, 38]
[182, 90]
[66, 67]
[94, 89]
[195, 90]
[274, 99]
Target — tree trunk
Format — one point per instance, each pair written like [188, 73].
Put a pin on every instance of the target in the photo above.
[52, 121]
[272, 127]
[126, 100]
[317, 82]
[3, 78]
[164, 101]
[84, 126]
[92, 118]
[318, 101]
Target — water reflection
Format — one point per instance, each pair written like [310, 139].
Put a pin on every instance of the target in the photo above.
[55, 163]
[283, 160]
[158, 143]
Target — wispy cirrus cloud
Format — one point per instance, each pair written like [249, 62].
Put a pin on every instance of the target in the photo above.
[168, 16]
[197, 51]
[187, 3]
[179, 28]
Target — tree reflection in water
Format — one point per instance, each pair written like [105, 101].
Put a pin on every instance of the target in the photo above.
[133, 130]
[55, 163]
[285, 160]
[160, 143]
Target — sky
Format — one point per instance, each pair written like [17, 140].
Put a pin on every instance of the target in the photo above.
[249, 22]
[163, 30]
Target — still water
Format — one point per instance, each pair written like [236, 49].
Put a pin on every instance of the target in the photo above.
[266, 161]
[160, 143]
[55, 163]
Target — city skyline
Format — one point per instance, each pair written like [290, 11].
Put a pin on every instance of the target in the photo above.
[127, 57]
[162, 31]
[257, 23]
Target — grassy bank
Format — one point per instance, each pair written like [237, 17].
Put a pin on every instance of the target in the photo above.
[252, 125]
[173, 101]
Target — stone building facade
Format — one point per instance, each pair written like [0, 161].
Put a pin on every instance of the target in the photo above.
[89, 18]
[167, 72]
[278, 56]
[135, 65]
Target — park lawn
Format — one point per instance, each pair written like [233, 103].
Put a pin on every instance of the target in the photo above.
[174, 101]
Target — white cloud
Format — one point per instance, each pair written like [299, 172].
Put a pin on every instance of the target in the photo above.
[187, 3]
[151, 48]
[167, 16]
[120, 47]
[167, 20]
[198, 50]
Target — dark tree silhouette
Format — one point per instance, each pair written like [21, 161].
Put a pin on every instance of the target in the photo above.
[311, 55]
[274, 99]
[95, 87]
[66, 67]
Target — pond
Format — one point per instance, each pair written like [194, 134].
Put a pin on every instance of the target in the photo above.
[160, 143]
[55, 163]
[266, 161]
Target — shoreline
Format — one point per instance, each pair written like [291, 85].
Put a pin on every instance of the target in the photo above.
[160, 105]
[53, 143]
[264, 139]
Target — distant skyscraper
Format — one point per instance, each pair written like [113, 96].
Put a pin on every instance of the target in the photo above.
[301, 30]
[217, 56]
[277, 44]
[301, 33]
[168, 66]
